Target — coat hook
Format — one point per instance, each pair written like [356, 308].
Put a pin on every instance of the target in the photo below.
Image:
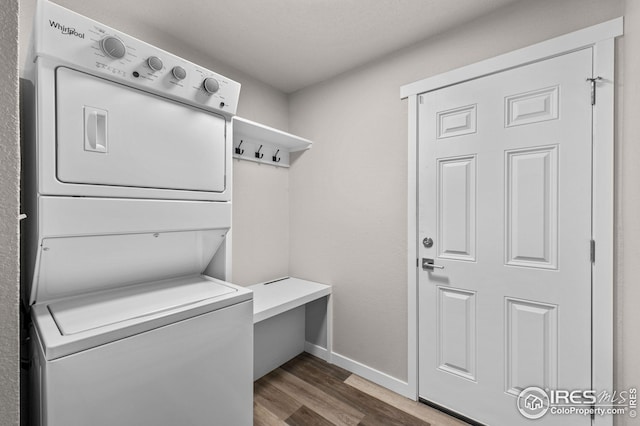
[275, 157]
[238, 150]
[258, 155]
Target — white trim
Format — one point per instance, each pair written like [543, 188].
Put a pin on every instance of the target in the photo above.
[373, 375]
[603, 222]
[228, 241]
[317, 351]
[412, 250]
[601, 38]
[576, 40]
[329, 341]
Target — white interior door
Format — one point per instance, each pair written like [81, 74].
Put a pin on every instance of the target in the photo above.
[505, 197]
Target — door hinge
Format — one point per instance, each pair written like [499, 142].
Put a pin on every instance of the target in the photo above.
[593, 412]
[417, 263]
[593, 251]
[594, 81]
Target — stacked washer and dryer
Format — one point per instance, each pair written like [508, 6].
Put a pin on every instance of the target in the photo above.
[127, 193]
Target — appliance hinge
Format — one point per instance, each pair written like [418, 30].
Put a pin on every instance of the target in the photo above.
[593, 251]
[594, 81]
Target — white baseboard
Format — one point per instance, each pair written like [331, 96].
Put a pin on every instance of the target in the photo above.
[371, 374]
[317, 351]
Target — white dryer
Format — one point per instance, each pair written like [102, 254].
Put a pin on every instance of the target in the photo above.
[128, 201]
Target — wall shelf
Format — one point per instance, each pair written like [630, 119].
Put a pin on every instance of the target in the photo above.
[250, 138]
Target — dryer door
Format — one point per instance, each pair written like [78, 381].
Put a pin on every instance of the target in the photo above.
[110, 134]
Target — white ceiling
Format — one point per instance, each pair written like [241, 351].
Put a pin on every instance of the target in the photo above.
[290, 44]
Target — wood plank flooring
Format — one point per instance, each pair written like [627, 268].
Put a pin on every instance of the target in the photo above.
[307, 391]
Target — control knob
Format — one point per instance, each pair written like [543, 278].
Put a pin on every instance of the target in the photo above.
[113, 47]
[155, 63]
[179, 73]
[211, 85]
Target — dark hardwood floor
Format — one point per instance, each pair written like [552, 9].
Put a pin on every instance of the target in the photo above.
[307, 391]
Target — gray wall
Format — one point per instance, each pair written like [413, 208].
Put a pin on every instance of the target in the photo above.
[260, 222]
[9, 210]
[348, 194]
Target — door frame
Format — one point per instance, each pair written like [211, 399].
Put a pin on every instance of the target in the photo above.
[601, 38]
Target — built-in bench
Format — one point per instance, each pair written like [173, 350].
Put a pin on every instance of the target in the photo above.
[288, 314]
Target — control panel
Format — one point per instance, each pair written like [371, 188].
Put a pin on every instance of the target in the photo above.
[87, 45]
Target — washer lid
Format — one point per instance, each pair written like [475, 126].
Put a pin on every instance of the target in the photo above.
[67, 326]
[99, 310]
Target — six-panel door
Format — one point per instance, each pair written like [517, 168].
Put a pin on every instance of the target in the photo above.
[505, 194]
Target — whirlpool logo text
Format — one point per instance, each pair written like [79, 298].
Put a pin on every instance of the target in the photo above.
[66, 30]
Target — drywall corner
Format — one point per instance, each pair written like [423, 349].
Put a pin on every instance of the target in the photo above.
[9, 210]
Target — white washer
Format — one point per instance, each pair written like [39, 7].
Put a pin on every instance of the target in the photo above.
[174, 352]
[128, 202]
